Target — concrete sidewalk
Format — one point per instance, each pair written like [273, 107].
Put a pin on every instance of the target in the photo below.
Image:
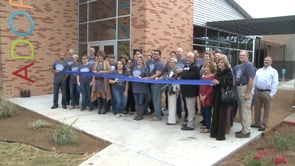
[141, 142]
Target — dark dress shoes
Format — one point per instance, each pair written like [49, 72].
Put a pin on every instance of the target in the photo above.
[54, 107]
[186, 128]
[262, 129]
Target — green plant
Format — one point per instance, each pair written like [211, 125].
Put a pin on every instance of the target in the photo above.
[265, 158]
[6, 109]
[281, 142]
[39, 124]
[65, 135]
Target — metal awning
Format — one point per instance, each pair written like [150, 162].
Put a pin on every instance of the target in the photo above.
[258, 26]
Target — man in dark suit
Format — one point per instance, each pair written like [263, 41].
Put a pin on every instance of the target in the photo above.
[190, 71]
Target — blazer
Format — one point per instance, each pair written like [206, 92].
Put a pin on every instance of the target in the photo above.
[190, 72]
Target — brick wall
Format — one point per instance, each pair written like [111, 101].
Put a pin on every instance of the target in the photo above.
[163, 25]
[55, 31]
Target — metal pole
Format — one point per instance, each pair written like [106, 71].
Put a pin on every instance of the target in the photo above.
[253, 51]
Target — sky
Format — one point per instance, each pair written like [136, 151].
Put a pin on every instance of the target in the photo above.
[268, 8]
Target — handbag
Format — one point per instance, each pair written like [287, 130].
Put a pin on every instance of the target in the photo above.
[228, 94]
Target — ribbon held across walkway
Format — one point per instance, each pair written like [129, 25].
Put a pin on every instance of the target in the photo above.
[143, 80]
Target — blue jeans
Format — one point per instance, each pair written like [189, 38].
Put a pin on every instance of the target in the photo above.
[56, 86]
[119, 100]
[75, 94]
[207, 114]
[156, 97]
[86, 96]
[139, 98]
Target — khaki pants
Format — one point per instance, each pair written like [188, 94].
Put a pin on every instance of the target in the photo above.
[244, 108]
[262, 98]
[190, 103]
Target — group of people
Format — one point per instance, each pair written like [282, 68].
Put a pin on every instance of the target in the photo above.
[128, 96]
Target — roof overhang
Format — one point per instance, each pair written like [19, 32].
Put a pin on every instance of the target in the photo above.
[258, 26]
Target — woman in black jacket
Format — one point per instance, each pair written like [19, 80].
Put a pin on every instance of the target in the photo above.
[223, 79]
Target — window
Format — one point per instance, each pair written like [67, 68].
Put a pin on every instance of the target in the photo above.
[82, 49]
[223, 39]
[123, 47]
[212, 37]
[124, 7]
[123, 28]
[102, 9]
[83, 13]
[233, 41]
[104, 30]
[83, 33]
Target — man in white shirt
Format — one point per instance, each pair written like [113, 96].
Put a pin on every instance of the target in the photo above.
[265, 86]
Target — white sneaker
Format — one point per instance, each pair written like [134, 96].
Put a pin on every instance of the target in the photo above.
[118, 115]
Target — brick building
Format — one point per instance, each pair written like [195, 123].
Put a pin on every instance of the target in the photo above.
[33, 32]
[31, 35]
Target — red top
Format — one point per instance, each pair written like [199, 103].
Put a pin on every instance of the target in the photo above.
[207, 90]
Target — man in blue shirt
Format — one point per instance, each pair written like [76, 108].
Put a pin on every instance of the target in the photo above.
[265, 85]
[244, 75]
[59, 80]
[156, 68]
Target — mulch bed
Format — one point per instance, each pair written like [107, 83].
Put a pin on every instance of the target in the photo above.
[16, 129]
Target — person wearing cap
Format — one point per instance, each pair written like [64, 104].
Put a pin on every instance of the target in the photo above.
[74, 92]
[172, 91]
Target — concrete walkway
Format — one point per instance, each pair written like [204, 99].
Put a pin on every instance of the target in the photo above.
[141, 142]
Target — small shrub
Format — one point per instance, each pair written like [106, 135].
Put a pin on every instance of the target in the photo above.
[39, 124]
[265, 158]
[281, 142]
[6, 109]
[65, 135]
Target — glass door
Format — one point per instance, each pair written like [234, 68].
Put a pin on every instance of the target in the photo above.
[108, 47]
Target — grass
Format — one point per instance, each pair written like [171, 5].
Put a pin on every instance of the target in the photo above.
[20, 154]
[65, 135]
[39, 124]
[280, 145]
[283, 142]
[6, 109]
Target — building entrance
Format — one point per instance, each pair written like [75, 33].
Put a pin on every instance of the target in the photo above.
[108, 47]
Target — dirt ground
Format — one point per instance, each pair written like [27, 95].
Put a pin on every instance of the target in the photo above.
[280, 109]
[16, 129]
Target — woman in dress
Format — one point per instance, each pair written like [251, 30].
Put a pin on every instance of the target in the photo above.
[101, 88]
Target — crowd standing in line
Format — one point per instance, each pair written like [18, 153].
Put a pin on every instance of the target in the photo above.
[128, 97]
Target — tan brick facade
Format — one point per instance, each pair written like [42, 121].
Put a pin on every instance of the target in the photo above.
[56, 30]
[155, 24]
[163, 25]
